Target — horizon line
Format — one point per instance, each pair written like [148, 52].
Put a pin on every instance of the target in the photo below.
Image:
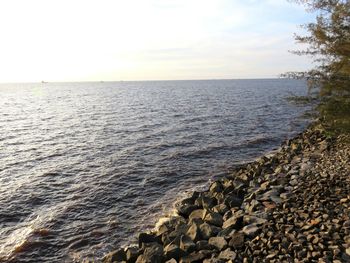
[106, 81]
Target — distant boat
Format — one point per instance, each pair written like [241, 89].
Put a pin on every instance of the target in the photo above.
[43, 82]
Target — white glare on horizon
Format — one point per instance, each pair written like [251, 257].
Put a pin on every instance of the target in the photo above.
[87, 40]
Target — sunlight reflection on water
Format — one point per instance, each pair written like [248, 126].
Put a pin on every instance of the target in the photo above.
[84, 166]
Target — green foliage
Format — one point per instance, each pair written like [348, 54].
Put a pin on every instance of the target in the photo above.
[328, 41]
[335, 112]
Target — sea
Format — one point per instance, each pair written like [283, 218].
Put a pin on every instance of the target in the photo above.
[86, 166]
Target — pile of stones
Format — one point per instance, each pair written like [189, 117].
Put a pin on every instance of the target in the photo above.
[292, 206]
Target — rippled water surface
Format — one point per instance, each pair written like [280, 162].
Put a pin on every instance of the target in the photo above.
[84, 166]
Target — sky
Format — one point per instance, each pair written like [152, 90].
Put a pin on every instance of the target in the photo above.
[94, 40]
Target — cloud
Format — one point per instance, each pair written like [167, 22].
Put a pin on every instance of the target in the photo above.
[146, 39]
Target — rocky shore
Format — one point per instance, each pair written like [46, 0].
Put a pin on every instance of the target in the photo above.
[292, 206]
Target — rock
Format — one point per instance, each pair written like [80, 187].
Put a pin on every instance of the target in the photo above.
[216, 187]
[237, 240]
[296, 147]
[269, 205]
[182, 228]
[269, 195]
[271, 256]
[276, 199]
[233, 222]
[343, 200]
[227, 254]
[207, 231]
[206, 202]
[213, 260]
[251, 230]
[218, 242]
[226, 233]
[295, 207]
[194, 232]
[220, 208]
[153, 253]
[164, 228]
[186, 244]
[252, 206]
[173, 251]
[186, 209]
[213, 218]
[117, 255]
[196, 221]
[247, 219]
[204, 245]
[187, 205]
[131, 254]
[233, 201]
[173, 237]
[227, 215]
[195, 257]
[293, 182]
[285, 195]
[148, 238]
[198, 213]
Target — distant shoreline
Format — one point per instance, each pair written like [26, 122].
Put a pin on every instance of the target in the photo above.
[126, 81]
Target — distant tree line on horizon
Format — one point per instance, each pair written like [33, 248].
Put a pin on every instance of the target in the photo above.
[328, 43]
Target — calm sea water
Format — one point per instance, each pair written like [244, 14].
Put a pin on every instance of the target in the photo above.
[85, 166]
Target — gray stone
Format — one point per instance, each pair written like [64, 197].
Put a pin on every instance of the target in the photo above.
[206, 202]
[237, 240]
[117, 255]
[173, 251]
[227, 254]
[186, 209]
[213, 218]
[213, 260]
[173, 237]
[194, 232]
[198, 213]
[233, 201]
[195, 257]
[248, 219]
[293, 182]
[148, 238]
[232, 222]
[153, 253]
[251, 230]
[186, 244]
[206, 231]
[218, 242]
[268, 195]
[131, 254]
[204, 245]
[220, 208]
[226, 233]
[216, 187]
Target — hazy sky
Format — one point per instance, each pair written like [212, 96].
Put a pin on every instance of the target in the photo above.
[83, 40]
